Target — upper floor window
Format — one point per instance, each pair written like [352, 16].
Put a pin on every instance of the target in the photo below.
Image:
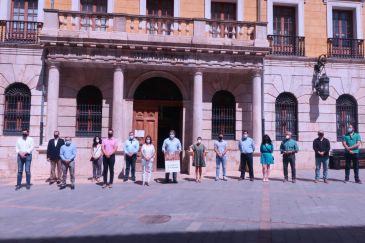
[346, 114]
[17, 109]
[223, 11]
[24, 10]
[89, 112]
[94, 22]
[161, 8]
[224, 115]
[343, 24]
[286, 115]
[284, 23]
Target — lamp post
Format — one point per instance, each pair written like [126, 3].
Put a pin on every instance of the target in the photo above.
[321, 84]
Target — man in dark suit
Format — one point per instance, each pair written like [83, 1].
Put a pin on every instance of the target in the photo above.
[53, 156]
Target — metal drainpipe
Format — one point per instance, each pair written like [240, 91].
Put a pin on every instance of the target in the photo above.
[52, 4]
[258, 10]
[41, 124]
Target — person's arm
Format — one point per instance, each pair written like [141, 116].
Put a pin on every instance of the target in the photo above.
[239, 146]
[282, 148]
[216, 149]
[61, 154]
[358, 144]
[178, 146]
[115, 147]
[272, 148]
[328, 147]
[315, 148]
[31, 146]
[103, 149]
[74, 151]
[17, 147]
[164, 146]
[225, 149]
[49, 150]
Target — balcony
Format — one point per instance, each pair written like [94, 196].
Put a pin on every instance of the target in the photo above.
[19, 32]
[125, 27]
[282, 45]
[345, 48]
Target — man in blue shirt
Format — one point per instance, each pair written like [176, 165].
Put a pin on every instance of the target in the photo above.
[68, 155]
[171, 148]
[131, 148]
[246, 146]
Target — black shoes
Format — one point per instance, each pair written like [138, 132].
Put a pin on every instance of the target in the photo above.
[17, 187]
[72, 187]
[27, 187]
[358, 181]
[63, 186]
[175, 182]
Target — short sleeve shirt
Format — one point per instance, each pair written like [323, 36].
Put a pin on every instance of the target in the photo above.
[220, 146]
[352, 140]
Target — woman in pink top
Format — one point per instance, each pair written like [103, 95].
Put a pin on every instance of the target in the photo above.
[109, 147]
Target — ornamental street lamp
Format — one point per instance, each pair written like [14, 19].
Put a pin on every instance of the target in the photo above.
[322, 81]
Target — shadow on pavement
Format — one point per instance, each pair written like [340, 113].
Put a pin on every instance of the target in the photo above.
[300, 235]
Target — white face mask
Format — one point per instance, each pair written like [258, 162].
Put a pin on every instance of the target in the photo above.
[97, 140]
[131, 137]
[148, 141]
[287, 136]
[245, 135]
[199, 141]
[172, 136]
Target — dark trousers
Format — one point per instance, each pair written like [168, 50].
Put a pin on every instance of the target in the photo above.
[246, 159]
[24, 162]
[108, 163]
[130, 165]
[289, 159]
[355, 160]
[174, 176]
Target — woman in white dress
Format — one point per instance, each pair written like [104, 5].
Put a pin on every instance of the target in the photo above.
[96, 158]
[148, 154]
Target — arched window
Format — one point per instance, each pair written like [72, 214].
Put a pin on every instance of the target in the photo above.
[89, 112]
[224, 115]
[346, 113]
[286, 115]
[17, 109]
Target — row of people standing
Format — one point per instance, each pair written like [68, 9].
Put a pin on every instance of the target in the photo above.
[62, 153]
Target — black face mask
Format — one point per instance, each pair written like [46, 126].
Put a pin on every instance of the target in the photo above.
[220, 138]
[25, 135]
[55, 136]
[110, 135]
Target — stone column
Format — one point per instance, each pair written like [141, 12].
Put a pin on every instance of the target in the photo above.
[197, 105]
[53, 88]
[256, 107]
[118, 104]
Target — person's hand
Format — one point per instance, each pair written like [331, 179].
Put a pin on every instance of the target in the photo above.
[130, 154]
[351, 152]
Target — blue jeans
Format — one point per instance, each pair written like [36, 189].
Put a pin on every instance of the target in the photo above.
[21, 163]
[220, 160]
[319, 162]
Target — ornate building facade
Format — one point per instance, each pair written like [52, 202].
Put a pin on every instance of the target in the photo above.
[196, 66]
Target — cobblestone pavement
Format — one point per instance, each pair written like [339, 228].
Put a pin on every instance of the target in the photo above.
[232, 211]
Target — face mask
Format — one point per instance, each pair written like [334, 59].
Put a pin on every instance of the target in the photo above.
[97, 140]
[172, 136]
[320, 135]
[199, 141]
[110, 135]
[245, 135]
[55, 136]
[287, 136]
[349, 130]
[131, 137]
[25, 135]
[148, 141]
[68, 143]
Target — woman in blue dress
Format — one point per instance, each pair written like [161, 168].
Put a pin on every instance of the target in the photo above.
[267, 158]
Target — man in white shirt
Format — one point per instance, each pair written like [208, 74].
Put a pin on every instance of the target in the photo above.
[24, 148]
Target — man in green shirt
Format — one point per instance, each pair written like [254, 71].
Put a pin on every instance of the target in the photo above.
[351, 142]
[288, 149]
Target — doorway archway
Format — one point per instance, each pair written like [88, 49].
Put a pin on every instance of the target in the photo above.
[157, 109]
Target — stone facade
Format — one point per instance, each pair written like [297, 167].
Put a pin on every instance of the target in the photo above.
[119, 59]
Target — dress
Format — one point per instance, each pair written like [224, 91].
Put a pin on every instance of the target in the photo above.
[266, 154]
[199, 154]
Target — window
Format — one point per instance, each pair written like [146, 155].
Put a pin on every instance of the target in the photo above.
[346, 113]
[24, 10]
[286, 115]
[223, 12]
[17, 109]
[224, 115]
[342, 28]
[160, 8]
[98, 20]
[89, 112]
[284, 21]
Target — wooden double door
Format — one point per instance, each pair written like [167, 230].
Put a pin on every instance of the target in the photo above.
[156, 118]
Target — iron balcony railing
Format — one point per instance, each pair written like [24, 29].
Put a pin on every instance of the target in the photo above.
[286, 45]
[23, 32]
[345, 48]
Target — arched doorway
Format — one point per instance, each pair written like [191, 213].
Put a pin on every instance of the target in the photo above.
[157, 109]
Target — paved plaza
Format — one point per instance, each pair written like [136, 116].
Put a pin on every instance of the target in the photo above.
[232, 211]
